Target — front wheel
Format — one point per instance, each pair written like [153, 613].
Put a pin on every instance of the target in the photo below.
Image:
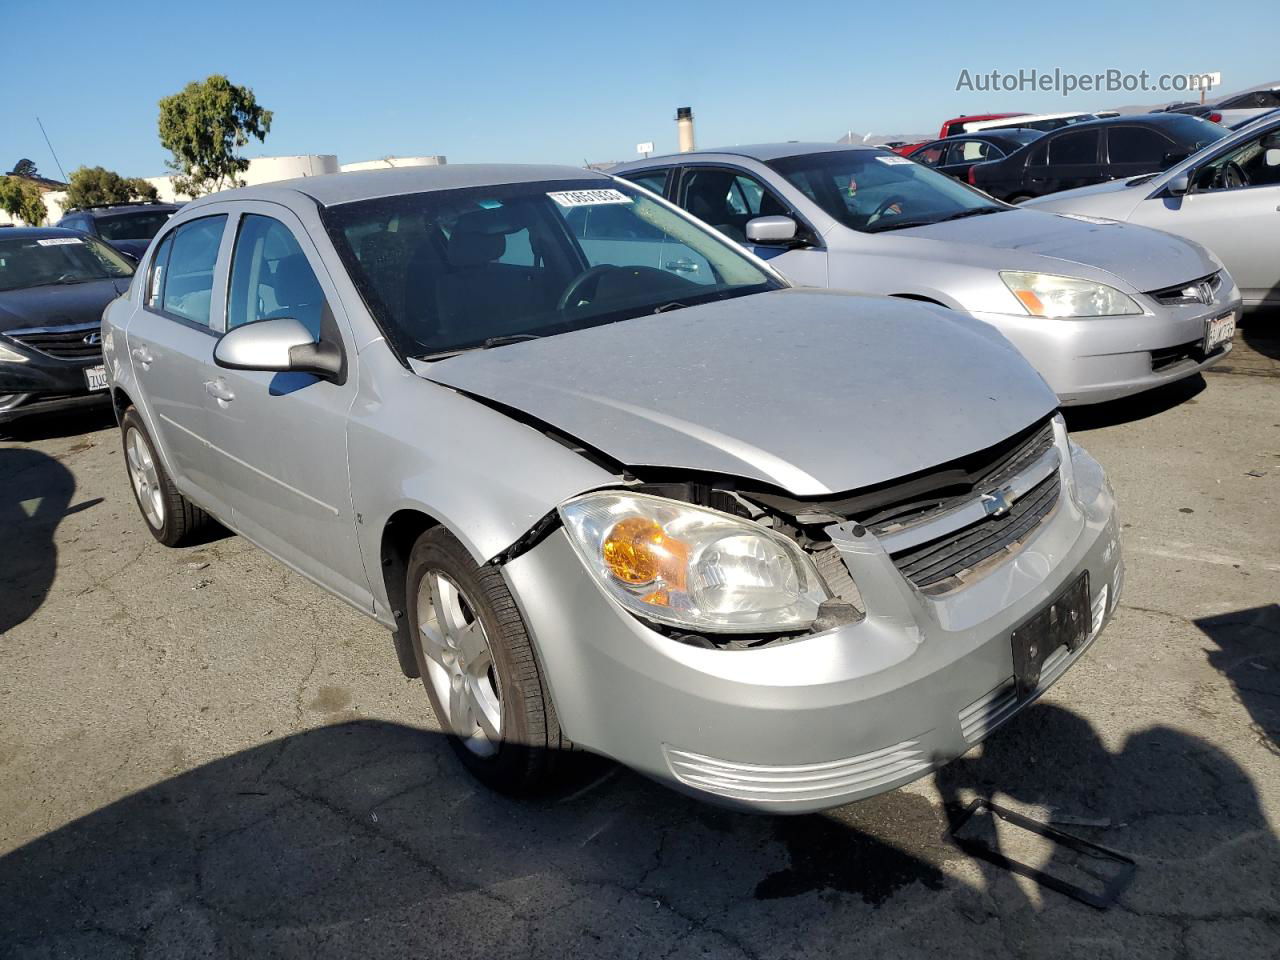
[479, 669]
[172, 518]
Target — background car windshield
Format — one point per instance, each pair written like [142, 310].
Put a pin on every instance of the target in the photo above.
[449, 270]
[40, 261]
[132, 226]
[1194, 132]
[872, 191]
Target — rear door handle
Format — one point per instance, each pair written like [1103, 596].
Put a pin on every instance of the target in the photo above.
[143, 356]
[219, 390]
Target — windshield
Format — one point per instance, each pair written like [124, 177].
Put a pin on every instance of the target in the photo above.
[132, 226]
[872, 191]
[452, 270]
[1193, 133]
[41, 261]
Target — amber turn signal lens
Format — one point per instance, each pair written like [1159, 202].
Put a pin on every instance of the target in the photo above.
[638, 551]
[1034, 305]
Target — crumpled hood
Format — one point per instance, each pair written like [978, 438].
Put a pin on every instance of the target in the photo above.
[812, 391]
[58, 304]
[1143, 258]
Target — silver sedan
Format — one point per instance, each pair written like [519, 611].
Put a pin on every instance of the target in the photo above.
[1102, 310]
[612, 482]
[1226, 197]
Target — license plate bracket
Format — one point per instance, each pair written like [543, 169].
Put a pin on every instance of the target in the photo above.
[1065, 620]
[1219, 330]
[95, 377]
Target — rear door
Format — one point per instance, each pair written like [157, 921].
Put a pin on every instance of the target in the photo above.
[279, 440]
[1134, 150]
[1074, 161]
[170, 342]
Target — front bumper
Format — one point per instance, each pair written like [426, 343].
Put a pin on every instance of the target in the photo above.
[43, 384]
[831, 718]
[1106, 358]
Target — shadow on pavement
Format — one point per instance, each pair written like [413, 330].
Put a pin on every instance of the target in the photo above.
[1260, 329]
[1138, 407]
[366, 839]
[67, 423]
[35, 494]
[1248, 654]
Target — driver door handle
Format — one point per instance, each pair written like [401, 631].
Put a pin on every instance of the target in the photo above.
[219, 390]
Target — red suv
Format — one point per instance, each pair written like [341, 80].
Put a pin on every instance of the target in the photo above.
[955, 125]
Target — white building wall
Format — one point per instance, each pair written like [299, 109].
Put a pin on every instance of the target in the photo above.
[387, 163]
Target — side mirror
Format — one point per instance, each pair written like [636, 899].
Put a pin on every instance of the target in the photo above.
[1179, 185]
[278, 345]
[770, 231]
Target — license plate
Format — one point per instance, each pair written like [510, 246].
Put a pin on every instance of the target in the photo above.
[1218, 331]
[96, 377]
[1064, 621]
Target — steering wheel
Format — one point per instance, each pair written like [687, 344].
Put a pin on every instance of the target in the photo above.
[576, 285]
[885, 204]
[1229, 176]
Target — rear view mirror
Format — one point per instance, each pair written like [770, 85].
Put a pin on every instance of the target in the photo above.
[771, 230]
[278, 345]
[1179, 184]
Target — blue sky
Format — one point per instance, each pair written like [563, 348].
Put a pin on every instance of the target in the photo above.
[569, 81]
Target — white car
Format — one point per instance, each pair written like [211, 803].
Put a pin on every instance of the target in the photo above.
[1044, 122]
[1225, 197]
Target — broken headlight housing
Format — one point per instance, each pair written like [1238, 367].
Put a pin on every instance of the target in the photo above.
[692, 567]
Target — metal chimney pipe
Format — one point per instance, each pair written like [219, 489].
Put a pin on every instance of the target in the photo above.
[684, 128]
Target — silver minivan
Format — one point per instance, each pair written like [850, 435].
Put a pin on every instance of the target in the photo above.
[779, 548]
[1101, 309]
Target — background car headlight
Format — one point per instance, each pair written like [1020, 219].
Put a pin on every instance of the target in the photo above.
[692, 567]
[10, 356]
[1045, 295]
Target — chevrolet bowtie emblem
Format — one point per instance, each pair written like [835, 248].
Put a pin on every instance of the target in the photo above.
[997, 504]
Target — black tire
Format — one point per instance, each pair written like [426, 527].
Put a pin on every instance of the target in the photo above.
[529, 755]
[1019, 197]
[182, 521]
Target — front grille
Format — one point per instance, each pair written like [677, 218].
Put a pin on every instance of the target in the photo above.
[1201, 290]
[63, 343]
[931, 565]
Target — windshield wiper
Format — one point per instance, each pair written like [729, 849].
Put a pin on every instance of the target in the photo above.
[485, 345]
[673, 305]
[974, 212]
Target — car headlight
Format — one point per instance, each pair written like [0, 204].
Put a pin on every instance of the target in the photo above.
[692, 567]
[10, 356]
[1046, 295]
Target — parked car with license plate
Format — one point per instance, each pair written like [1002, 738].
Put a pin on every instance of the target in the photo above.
[779, 548]
[54, 285]
[1095, 306]
[1226, 197]
[1092, 152]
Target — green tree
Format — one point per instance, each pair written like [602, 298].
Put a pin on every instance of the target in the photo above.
[25, 168]
[21, 198]
[95, 186]
[203, 126]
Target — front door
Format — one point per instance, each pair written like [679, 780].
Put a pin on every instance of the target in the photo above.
[729, 199]
[170, 341]
[280, 439]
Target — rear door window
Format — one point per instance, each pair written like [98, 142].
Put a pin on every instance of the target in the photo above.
[1074, 148]
[187, 281]
[1136, 145]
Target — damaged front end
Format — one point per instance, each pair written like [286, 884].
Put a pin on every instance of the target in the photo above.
[729, 563]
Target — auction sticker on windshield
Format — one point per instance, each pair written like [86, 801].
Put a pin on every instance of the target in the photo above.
[894, 161]
[58, 241]
[588, 198]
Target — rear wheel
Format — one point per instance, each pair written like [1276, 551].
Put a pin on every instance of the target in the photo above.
[478, 666]
[1019, 197]
[172, 518]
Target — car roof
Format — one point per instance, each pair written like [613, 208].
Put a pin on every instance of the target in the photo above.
[38, 233]
[763, 152]
[331, 189]
[996, 134]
